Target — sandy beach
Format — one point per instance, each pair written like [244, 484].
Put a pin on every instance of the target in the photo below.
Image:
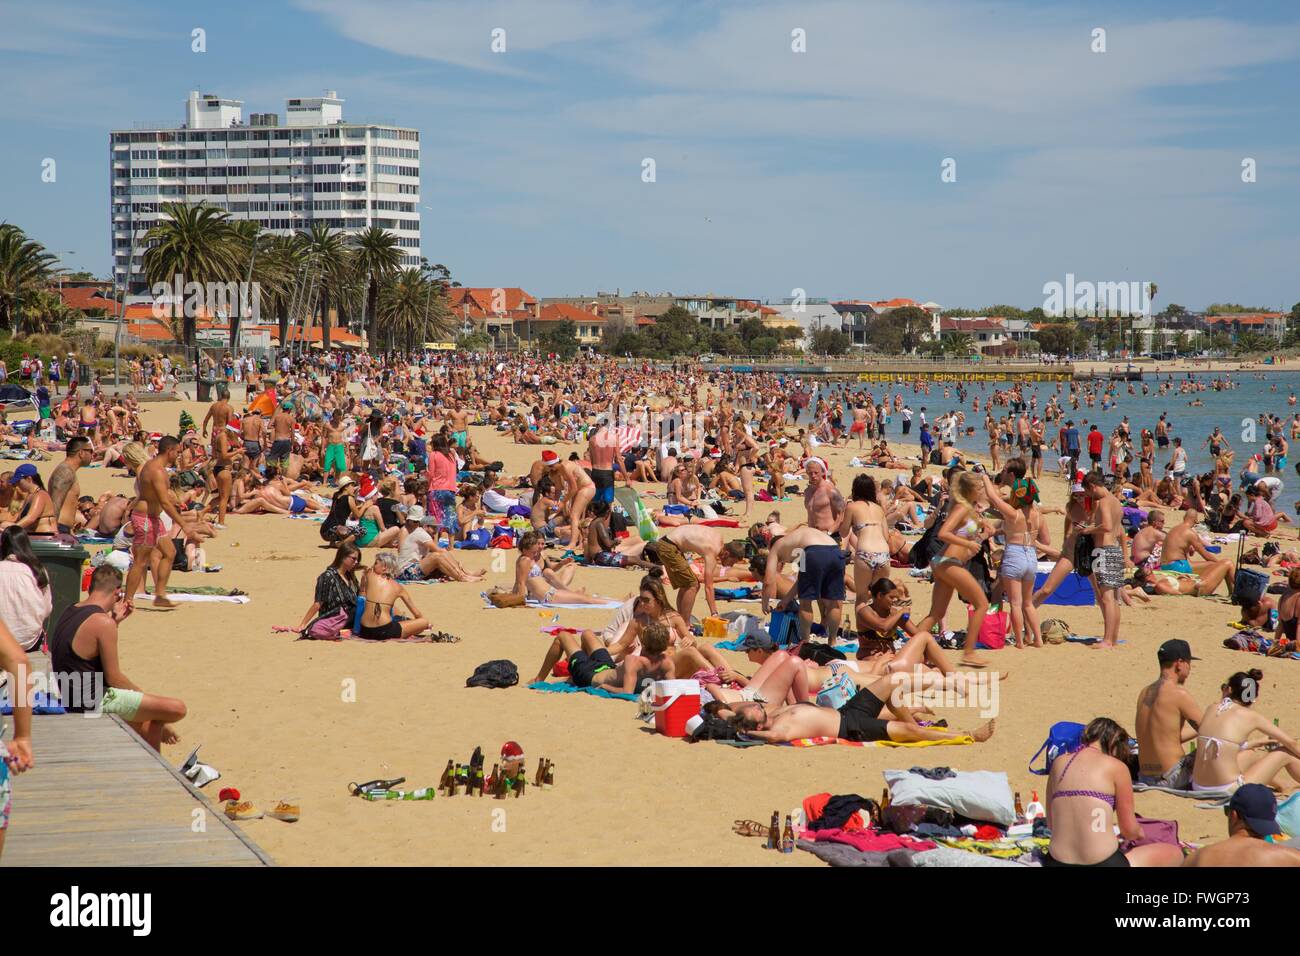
[277, 716]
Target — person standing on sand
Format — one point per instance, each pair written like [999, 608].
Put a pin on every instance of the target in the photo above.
[65, 490]
[1167, 716]
[1106, 529]
[151, 549]
[822, 499]
[334, 455]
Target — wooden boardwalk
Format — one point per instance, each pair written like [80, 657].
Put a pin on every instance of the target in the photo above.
[100, 796]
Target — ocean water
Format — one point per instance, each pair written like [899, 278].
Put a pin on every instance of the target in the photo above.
[1233, 410]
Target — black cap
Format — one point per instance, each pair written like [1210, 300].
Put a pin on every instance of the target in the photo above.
[1175, 650]
[1255, 804]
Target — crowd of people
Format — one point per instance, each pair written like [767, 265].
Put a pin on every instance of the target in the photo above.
[381, 451]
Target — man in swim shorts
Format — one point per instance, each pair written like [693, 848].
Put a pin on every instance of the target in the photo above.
[821, 578]
[1163, 708]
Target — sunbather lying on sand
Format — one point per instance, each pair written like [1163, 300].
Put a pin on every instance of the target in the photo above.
[859, 719]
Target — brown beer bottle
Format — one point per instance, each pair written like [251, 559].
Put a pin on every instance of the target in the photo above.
[1020, 809]
[477, 782]
[521, 782]
[774, 832]
[501, 788]
[492, 780]
[455, 780]
[445, 782]
[787, 837]
[540, 778]
[549, 781]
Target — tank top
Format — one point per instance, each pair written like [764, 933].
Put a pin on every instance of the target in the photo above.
[70, 667]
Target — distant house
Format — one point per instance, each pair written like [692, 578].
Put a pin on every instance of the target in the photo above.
[589, 324]
[1268, 324]
[857, 316]
[495, 310]
[988, 333]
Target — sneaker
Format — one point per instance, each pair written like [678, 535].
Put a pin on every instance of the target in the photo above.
[243, 810]
[286, 811]
[219, 526]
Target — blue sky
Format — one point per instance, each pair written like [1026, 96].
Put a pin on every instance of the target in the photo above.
[775, 170]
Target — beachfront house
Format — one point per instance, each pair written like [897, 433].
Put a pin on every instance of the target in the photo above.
[503, 312]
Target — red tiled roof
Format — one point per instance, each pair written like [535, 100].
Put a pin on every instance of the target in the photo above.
[974, 324]
[480, 301]
[1244, 318]
[86, 298]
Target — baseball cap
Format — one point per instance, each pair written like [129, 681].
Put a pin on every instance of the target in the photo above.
[757, 642]
[1255, 804]
[25, 470]
[1175, 650]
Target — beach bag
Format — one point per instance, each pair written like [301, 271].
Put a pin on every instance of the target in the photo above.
[993, 632]
[837, 690]
[494, 674]
[1248, 587]
[1064, 737]
[506, 599]
[477, 540]
[1055, 631]
[327, 628]
[902, 818]
[1153, 831]
[1083, 555]
[784, 628]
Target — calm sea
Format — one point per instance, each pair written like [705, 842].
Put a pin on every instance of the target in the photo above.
[1227, 409]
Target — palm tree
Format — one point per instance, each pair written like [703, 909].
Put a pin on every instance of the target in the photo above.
[248, 236]
[25, 269]
[196, 243]
[327, 253]
[375, 256]
[402, 301]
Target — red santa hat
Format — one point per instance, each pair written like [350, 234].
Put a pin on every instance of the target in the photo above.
[550, 457]
[511, 751]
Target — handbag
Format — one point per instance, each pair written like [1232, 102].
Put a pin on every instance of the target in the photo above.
[506, 599]
[326, 628]
[993, 631]
[1083, 555]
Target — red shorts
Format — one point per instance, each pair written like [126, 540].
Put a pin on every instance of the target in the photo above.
[145, 529]
[858, 428]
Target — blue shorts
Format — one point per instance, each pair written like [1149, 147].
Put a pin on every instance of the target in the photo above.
[297, 504]
[1182, 567]
[821, 573]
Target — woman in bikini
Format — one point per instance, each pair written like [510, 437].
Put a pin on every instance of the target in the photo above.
[863, 532]
[1023, 528]
[37, 514]
[382, 593]
[962, 533]
[1225, 758]
[549, 583]
[1083, 790]
[690, 656]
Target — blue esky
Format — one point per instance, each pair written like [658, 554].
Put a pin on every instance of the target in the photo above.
[775, 170]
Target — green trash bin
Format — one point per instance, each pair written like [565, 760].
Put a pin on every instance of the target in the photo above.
[63, 563]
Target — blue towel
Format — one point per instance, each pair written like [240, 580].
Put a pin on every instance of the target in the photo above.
[735, 594]
[1075, 590]
[564, 687]
[849, 648]
[42, 703]
[1081, 639]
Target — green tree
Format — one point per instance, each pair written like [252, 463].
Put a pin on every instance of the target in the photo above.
[25, 268]
[562, 339]
[476, 340]
[831, 341]
[1251, 343]
[376, 255]
[1056, 338]
[764, 344]
[327, 257]
[404, 300]
[196, 243]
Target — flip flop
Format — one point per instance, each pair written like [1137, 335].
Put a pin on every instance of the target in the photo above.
[749, 828]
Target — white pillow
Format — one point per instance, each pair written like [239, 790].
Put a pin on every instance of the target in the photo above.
[980, 794]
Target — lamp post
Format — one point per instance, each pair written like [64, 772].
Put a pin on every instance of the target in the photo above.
[121, 312]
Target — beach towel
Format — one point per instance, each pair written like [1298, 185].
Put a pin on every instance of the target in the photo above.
[304, 517]
[532, 602]
[564, 687]
[1087, 639]
[828, 741]
[1074, 591]
[89, 537]
[720, 523]
[42, 703]
[1215, 798]
[742, 593]
[179, 597]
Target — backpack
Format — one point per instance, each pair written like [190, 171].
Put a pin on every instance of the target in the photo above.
[1064, 737]
[926, 546]
[494, 674]
[326, 628]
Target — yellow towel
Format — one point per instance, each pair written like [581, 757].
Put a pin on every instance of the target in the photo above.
[951, 741]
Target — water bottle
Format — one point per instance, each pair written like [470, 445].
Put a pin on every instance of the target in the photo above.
[1272, 619]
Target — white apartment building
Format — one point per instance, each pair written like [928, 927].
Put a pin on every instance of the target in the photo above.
[314, 167]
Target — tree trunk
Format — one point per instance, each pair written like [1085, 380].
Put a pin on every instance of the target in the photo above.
[282, 315]
[324, 319]
[372, 319]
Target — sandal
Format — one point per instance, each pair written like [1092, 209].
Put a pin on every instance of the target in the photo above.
[749, 828]
[360, 789]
